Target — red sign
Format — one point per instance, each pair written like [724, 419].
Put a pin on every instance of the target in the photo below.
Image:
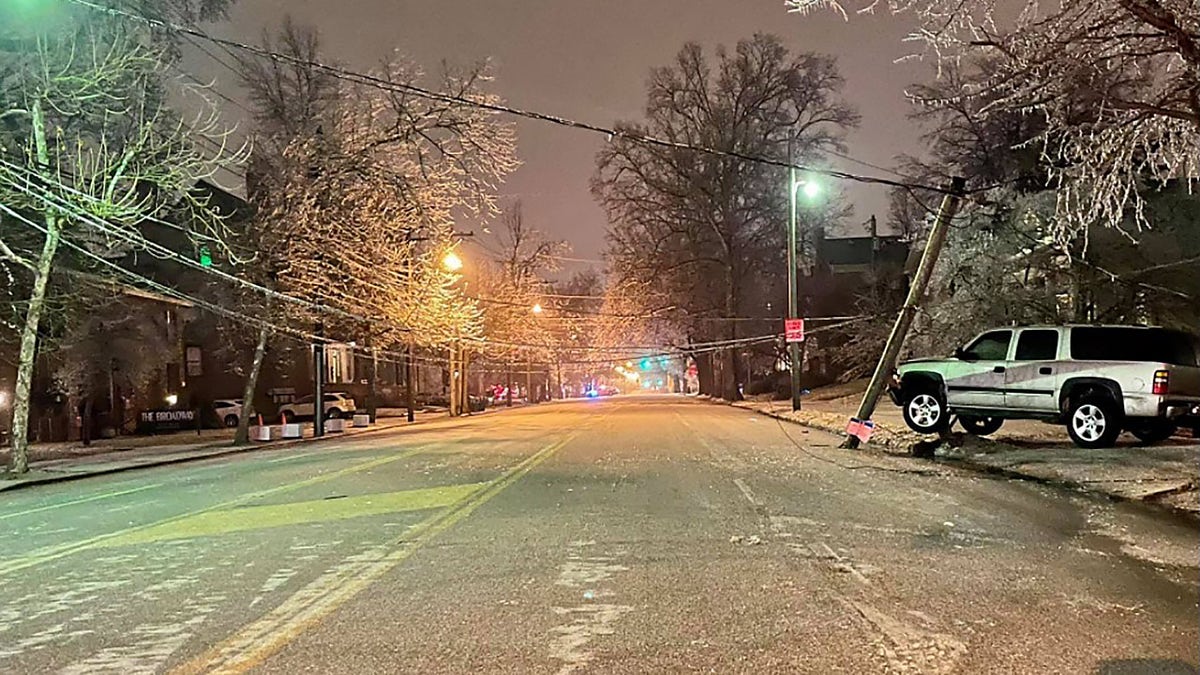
[860, 429]
[793, 330]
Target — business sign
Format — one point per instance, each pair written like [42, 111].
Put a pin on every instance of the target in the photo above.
[166, 420]
[793, 330]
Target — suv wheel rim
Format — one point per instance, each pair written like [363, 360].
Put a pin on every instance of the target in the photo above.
[924, 410]
[1088, 422]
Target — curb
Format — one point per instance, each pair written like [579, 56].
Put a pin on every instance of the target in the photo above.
[6, 486]
[980, 467]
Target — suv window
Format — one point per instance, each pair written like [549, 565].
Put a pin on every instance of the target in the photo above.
[332, 398]
[1037, 345]
[1097, 343]
[991, 346]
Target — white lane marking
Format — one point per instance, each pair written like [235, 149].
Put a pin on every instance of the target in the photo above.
[83, 500]
[580, 572]
[153, 643]
[587, 621]
[745, 491]
[908, 648]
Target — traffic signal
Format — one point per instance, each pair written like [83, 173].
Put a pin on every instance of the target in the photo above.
[645, 364]
[205, 256]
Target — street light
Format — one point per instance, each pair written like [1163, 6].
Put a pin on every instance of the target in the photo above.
[537, 308]
[811, 190]
[451, 262]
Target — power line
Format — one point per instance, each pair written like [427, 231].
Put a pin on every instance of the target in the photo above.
[388, 85]
[167, 253]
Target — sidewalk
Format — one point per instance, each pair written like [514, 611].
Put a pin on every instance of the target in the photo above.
[56, 462]
[1167, 474]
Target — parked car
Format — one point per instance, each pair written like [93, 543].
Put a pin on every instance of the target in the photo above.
[228, 410]
[1096, 380]
[337, 405]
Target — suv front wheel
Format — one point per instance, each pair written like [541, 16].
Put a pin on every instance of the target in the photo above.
[1093, 421]
[925, 412]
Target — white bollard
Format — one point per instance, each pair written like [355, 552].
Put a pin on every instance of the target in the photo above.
[335, 425]
[261, 433]
[290, 431]
[362, 420]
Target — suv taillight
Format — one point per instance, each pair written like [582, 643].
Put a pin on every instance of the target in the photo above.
[1162, 380]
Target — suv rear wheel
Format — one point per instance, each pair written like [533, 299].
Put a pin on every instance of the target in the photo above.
[980, 426]
[1153, 431]
[925, 412]
[1093, 421]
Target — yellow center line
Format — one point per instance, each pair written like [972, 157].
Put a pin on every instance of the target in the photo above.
[258, 640]
[83, 500]
[51, 553]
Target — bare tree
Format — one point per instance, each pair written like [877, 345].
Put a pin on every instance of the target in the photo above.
[90, 150]
[1115, 83]
[360, 186]
[704, 229]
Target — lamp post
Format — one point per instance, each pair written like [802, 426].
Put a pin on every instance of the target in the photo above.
[811, 190]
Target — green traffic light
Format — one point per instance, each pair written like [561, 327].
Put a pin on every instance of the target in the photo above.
[645, 364]
[205, 257]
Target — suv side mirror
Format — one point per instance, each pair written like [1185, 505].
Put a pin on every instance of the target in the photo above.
[962, 354]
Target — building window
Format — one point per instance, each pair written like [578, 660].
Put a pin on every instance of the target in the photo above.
[194, 366]
[339, 363]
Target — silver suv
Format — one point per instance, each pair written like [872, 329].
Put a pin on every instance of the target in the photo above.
[1097, 380]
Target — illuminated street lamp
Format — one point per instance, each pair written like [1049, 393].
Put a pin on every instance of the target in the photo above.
[451, 262]
[811, 191]
[537, 308]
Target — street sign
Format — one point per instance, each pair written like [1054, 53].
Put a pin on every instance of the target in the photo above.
[793, 330]
[860, 429]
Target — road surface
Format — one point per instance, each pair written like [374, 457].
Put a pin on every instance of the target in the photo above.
[631, 535]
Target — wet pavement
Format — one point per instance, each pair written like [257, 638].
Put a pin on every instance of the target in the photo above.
[629, 535]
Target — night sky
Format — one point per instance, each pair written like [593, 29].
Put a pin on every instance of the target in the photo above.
[589, 59]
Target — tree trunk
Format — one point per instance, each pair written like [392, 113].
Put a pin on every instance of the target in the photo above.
[410, 395]
[730, 363]
[33, 314]
[242, 436]
[705, 374]
[85, 427]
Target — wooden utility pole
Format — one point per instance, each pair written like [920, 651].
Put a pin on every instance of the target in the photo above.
[916, 293]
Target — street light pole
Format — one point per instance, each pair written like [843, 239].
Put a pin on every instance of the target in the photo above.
[794, 358]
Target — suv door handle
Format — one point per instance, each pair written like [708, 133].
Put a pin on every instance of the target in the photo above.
[998, 369]
[1045, 370]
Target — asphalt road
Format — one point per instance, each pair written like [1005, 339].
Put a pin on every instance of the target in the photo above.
[632, 535]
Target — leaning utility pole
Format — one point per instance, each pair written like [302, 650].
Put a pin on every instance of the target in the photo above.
[916, 293]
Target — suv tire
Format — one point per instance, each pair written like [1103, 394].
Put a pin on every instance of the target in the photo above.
[1093, 421]
[925, 412]
[231, 421]
[980, 426]
[1154, 431]
[333, 414]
